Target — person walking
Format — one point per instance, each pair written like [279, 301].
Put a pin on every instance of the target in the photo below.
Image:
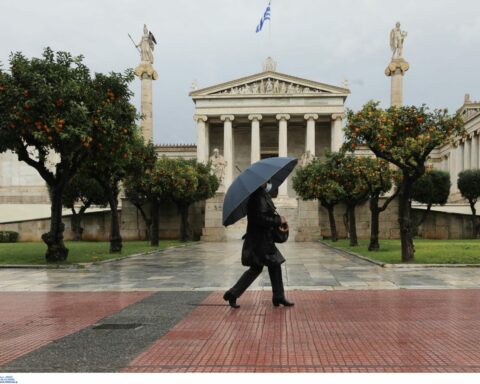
[259, 249]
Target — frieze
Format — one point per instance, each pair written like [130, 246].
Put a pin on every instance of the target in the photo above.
[269, 86]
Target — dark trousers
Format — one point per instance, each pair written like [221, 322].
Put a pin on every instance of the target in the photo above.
[252, 273]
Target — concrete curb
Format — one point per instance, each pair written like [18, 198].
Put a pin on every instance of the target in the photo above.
[89, 264]
[401, 266]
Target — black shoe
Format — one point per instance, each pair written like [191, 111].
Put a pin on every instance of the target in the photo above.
[232, 300]
[283, 301]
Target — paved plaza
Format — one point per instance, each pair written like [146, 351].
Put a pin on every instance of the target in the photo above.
[164, 312]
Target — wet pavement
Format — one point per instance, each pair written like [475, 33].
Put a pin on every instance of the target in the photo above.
[216, 266]
[164, 312]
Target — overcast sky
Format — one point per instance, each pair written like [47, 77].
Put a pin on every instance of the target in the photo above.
[214, 41]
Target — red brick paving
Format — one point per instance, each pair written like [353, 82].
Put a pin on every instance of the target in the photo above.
[339, 331]
[30, 320]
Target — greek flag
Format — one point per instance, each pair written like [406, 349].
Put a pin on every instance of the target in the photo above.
[265, 17]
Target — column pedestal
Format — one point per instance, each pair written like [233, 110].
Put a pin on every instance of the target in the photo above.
[396, 69]
[146, 73]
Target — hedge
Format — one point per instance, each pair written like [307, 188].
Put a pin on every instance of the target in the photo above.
[8, 237]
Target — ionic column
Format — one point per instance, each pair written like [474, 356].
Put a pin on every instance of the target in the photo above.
[282, 147]
[466, 153]
[255, 148]
[228, 148]
[336, 132]
[310, 136]
[202, 154]
[474, 152]
[453, 167]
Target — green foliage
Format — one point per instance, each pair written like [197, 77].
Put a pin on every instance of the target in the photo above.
[347, 171]
[84, 190]
[404, 136]
[8, 237]
[376, 174]
[183, 181]
[316, 181]
[469, 184]
[433, 188]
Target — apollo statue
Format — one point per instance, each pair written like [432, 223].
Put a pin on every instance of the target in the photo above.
[397, 36]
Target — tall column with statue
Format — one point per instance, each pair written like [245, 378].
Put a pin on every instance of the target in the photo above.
[146, 73]
[398, 66]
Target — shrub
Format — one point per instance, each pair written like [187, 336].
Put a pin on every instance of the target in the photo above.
[8, 237]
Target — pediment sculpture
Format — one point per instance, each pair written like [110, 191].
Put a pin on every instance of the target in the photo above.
[269, 86]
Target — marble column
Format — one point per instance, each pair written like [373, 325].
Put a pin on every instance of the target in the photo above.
[310, 134]
[255, 147]
[147, 74]
[453, 168]
[202, 141]
[474, 152]
[467, 153]
[396, 70]
[283, 148]
[336, 132]
[228, 148]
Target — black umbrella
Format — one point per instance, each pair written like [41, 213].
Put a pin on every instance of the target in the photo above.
[275, 169]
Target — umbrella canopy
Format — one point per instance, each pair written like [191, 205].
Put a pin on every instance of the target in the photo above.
[275, 169]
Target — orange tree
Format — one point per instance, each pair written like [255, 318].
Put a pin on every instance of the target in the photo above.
[433, 188]
[347, 171]
[316, 181]
[180, 181]
[469, 185]
[378, 177]
[81, 192]
[141, 191]
[51, 107]
[405, 137]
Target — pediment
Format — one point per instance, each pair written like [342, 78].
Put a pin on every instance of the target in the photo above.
[270, 84]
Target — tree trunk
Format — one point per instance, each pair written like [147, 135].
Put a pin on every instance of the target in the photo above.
[77, 229]
[333, 225]
[405, 221]
[56, 250]
[148, 222]
[115, 237]
[184, 228]
[154, 219]
[374, 224]
[474, 219]
[77, 218]
[352, 225]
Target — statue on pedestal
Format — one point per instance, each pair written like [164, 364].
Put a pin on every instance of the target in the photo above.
[218, 168]
[397, 36]
[146, 45]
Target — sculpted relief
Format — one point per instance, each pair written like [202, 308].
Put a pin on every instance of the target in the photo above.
[269, 87]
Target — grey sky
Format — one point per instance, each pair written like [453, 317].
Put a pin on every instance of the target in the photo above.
[214, 41]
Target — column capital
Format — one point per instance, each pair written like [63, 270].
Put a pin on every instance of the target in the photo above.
[311, 116]
[338, 116]
[283, 116]
[200, 117]
[255, 117]
[227, 117]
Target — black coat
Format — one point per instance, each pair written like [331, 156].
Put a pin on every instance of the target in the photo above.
[262, 218]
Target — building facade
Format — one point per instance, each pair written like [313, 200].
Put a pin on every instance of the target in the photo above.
[263, 115]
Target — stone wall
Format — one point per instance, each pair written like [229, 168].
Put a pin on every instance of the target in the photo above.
[389, 227]
[97, 224]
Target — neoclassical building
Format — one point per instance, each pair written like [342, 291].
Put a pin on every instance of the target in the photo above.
[263, 115]
[464, 153]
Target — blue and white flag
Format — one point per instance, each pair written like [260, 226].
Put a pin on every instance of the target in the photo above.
[265, 17]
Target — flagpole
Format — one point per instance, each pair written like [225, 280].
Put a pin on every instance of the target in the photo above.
[270, 30]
